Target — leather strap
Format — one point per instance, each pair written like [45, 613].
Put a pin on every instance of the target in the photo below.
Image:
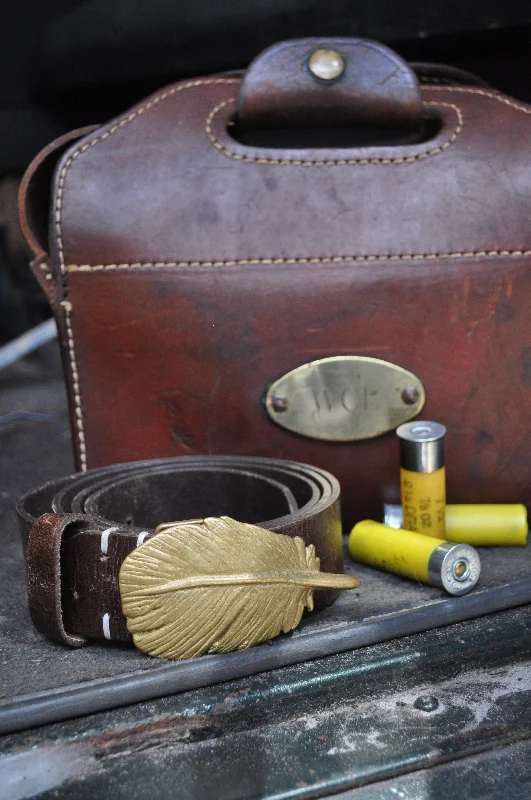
[34, 192]
[34, 199]
[78, 530]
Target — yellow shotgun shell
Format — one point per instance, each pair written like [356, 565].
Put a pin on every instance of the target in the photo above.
[480, 524]
[450, 566]
[423, 477]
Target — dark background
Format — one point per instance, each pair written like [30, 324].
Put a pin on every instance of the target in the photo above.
[67, 63]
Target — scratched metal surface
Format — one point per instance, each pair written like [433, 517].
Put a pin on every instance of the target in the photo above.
[32, 451]
[442, 714]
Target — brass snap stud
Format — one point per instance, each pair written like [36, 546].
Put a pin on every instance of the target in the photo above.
[326, 65]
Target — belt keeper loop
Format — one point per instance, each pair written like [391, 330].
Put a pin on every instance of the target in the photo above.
[44, 576]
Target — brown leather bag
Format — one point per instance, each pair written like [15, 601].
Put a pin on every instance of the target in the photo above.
[191, 263]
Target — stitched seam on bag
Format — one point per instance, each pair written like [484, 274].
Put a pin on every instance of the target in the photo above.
[493, 95]
[242, 262]
[340, 162]
[80, 431]
[46, 269]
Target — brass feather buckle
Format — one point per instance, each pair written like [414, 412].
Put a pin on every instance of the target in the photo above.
[215, 585]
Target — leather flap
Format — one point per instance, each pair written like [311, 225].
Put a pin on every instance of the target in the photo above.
[282, 88]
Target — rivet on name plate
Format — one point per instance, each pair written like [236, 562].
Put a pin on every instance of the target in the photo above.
[410, 395]
[326, 65]
[278, 403]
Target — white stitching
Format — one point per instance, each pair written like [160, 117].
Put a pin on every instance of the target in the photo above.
[282, 162]
[242, 262]
[105, 624]
[59, 206]
[104, 541]
[67, 306]
[493, 95]
[48, 275]
[141, 536]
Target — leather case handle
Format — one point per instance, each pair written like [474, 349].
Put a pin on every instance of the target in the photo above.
[34, 200]
[283, 87]
[34, 193]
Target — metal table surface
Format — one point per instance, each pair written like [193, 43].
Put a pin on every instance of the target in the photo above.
[426, 716]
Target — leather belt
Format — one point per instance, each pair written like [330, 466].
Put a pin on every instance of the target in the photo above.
[78, 530]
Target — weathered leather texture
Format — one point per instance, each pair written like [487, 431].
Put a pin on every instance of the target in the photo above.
[78, 530]
[376, 88]
[195, 270]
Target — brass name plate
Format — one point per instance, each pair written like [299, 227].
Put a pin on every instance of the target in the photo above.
[344, 398]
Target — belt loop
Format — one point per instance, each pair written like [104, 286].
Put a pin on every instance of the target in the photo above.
[44, 576]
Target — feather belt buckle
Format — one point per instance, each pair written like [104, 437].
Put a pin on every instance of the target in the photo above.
[216, 585]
